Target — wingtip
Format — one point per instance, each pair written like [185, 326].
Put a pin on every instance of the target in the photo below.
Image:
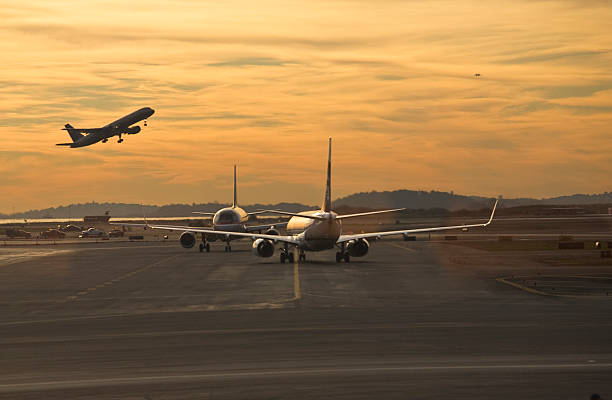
[492, 212]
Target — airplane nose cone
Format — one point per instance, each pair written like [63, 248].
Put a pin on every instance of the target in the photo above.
[152, 111]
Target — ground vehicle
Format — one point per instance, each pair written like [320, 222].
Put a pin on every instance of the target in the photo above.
[52, 234]
[115, 233]
[70, 228]
[93, 233]
[18, 233]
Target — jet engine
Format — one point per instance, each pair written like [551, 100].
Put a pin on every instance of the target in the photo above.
[357, 248]
[272, 231]
[132, 130]
[263, 248]
[187, 240]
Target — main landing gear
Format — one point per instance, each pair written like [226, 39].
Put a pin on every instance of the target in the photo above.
[204, 245]
[286, 255]
[302, 256]
[228, 246]
[120, 140]
[104, 140]
[342, 254]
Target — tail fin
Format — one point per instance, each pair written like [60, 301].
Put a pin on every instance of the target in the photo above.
[74, 134]
[235, 203]
[327, 200]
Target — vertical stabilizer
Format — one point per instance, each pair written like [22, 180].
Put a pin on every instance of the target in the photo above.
[235, 204]
[327, 201]
[74, 134]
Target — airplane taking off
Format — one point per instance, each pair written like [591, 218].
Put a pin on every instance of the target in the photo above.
[318, 230]
[228, 220]
[86, 137]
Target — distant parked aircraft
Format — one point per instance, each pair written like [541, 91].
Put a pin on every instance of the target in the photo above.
[86, 137]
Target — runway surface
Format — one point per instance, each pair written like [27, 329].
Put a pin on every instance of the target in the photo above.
[410, 320]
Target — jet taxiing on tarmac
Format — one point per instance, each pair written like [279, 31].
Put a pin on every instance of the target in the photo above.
[86, 137]
[229, 219]
[314, 231]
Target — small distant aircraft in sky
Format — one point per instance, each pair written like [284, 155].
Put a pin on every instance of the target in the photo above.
[86, 137]
[477, 75]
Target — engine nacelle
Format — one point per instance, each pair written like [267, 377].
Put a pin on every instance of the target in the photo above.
[187, 240]
[263, 248]
[357, 248]
[133, 130]
[272, 231]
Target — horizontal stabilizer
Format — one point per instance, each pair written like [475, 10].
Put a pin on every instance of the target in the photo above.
[295, 215]
[64, 144]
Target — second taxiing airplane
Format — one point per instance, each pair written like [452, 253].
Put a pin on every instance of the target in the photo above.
[226, 222]
[313, 231]
[82, 137]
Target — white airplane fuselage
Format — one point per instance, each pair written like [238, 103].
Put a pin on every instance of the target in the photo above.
[116, 128]
[229, 219]
[316, 235]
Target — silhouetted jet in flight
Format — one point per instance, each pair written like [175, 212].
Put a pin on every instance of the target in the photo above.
[86, 137]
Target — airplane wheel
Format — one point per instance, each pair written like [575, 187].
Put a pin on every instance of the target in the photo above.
[229, 248]
[347, 257]
[282, 257]
[201, 247]
[226, 249]
[302, 257]
[290, 257]
[338, 257]
[207, 247]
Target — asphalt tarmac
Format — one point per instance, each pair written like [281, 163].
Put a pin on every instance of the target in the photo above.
[417, 320]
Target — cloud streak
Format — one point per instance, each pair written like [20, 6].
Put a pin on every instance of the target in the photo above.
[392, 82]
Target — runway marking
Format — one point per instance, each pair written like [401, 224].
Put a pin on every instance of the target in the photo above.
[528, 289]
[11, 258]
[402, 247]
[74, 383]
[296, 276]
[118, 279]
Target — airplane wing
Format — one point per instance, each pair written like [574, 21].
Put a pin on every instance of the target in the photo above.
[88, 130]
[257, 212]
[346, 238]
[254, 228]
[193, 229]
[202, 213]
[295, 214]
[368, 213]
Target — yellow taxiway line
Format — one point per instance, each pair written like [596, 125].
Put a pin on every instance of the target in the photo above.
[296, 275]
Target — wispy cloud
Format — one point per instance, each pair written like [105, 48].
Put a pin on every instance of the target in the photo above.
[392, 82]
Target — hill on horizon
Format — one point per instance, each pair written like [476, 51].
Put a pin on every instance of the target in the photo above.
[411, 199]
[419, 199]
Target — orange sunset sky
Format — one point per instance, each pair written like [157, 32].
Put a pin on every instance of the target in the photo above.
[263, 84]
